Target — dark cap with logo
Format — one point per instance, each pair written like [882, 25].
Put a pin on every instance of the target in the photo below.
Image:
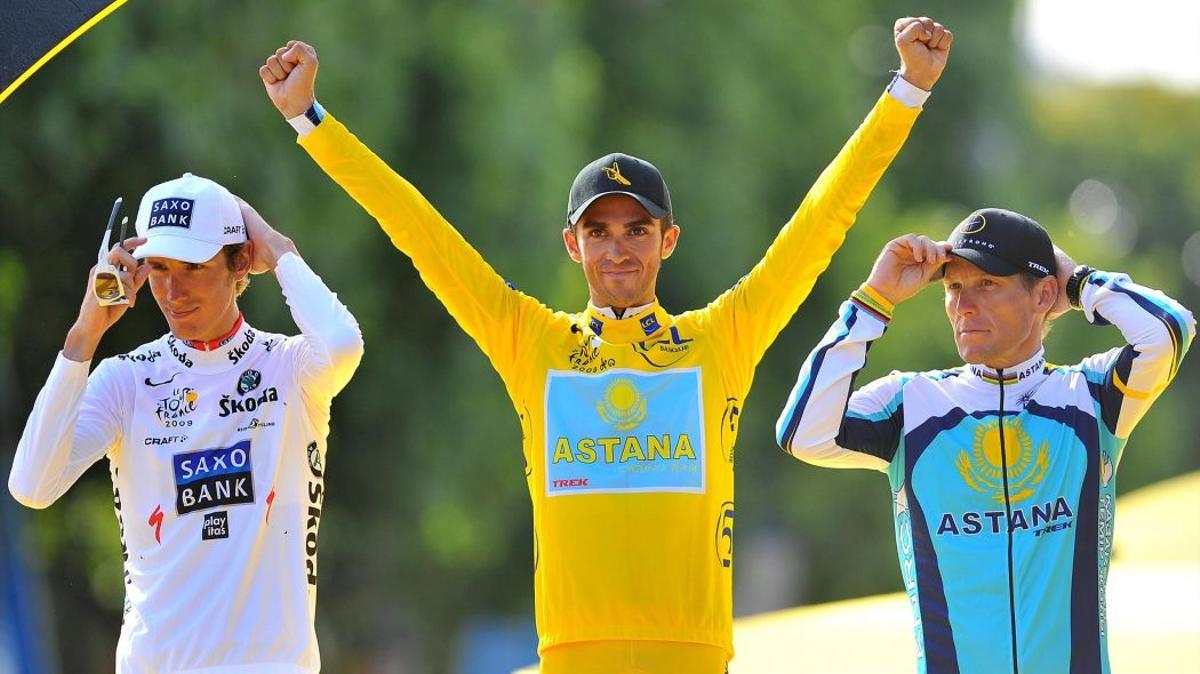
[1004, 243]
[619, 173]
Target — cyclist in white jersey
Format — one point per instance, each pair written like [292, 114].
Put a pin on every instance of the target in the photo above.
[215, 435]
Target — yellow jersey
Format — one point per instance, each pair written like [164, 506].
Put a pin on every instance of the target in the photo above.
[629, 424]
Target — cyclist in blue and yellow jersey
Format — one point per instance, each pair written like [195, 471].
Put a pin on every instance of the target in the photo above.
[1003, 470]
[629, 412]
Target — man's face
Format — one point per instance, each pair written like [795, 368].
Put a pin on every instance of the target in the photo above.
[621, 249]
[997, 320]
[197, 299]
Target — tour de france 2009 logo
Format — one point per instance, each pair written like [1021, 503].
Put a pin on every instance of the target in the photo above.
[983, 469]
[173, 410]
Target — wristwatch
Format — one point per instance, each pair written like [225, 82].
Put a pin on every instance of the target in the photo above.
[1075, 284]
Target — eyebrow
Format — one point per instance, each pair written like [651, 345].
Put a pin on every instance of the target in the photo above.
[596, 224]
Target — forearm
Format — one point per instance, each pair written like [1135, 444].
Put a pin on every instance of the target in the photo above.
[813, 423]
[1158, 331]
[774, 289]
[335, 344]
[43, 467]
[475, 295]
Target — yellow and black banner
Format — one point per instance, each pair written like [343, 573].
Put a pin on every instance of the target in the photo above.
[34, 31]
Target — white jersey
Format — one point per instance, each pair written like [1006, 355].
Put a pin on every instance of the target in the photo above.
[217, 461]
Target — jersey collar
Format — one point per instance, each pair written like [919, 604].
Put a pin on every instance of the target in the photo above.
[638, 324]
[1031, 369]
[217, 355]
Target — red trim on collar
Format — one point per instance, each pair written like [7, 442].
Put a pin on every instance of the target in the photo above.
[214, 344]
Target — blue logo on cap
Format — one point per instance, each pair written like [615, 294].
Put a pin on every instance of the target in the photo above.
[171, 213]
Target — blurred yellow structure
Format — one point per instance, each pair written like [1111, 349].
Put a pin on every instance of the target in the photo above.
[1153, 600]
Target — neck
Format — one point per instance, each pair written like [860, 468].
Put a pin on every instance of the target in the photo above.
[216, 341]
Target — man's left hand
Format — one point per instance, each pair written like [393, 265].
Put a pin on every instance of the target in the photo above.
[924, 46]
[268, 244]
[1066, 267]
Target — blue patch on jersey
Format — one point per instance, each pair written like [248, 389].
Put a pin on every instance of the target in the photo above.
[624, 431]
[213, 477]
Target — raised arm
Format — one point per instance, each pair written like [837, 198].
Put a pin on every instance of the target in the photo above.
[1157, 331]
[822, 422]
[76, 418]
[331, 344]
[763, 302]
[487, 308]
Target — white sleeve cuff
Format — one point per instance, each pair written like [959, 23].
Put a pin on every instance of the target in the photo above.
[305, 123]
[907, 93]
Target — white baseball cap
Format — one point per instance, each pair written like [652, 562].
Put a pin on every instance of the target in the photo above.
[188, 219]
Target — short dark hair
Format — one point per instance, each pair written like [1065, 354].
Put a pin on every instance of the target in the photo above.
[232, 252]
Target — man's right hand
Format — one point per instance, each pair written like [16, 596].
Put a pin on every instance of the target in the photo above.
[907, 265]
[94, 320]
[290, 76]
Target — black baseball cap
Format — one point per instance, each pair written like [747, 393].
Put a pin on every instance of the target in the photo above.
[1003, 243]
[619, 173]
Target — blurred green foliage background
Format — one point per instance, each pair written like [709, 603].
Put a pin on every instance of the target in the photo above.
[490, 108]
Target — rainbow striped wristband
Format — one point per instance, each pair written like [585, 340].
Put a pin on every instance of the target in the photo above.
[871, 301]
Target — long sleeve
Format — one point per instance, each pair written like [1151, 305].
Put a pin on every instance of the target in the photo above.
[331, 344]
[1157, 332]
[75, 420]
[822, 423]
[486, 307]
[760, 305]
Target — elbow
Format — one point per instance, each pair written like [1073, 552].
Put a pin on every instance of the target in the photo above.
[29, 498]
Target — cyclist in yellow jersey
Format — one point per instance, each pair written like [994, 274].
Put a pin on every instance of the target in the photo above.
[629, 412]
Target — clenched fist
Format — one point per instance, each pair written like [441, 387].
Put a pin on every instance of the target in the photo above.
[290, 76]
[924, 46]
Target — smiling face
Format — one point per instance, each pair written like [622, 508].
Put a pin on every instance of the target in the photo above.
[997, 320]
[621, 248]
[199, 300]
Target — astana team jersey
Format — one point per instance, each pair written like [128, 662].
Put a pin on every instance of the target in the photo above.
[217, 461]
[1003, 482]
[629, 425]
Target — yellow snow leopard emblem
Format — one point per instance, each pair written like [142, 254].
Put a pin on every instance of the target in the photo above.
[614, 173]
[981, 468]
[623, 405]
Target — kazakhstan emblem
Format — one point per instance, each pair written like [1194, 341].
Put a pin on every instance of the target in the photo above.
[623, 405]
[1025, 469]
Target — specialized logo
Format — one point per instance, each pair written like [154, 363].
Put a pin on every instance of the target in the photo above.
[975, 225]
[173, 410]
[623, 405]
[316, 497]
[168, 380]
[645, 434]
[171, 213]
[725, 535]
[216, 525]
[982, 468]
[249, 381]
[213, 477]
[155, 521]
[230, 405]
[614, 173]
[665, 351]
